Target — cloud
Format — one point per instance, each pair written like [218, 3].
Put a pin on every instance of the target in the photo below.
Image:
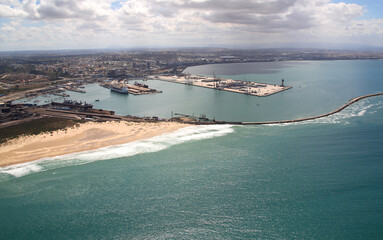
[9, 11]
[257, 7]
[176, 22]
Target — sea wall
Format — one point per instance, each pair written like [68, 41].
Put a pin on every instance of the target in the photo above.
[350, 102]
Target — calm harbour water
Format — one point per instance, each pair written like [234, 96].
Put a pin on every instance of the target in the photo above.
[318, 87]
[319, 179]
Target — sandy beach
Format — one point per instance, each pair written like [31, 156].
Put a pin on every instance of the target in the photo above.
[86, 136]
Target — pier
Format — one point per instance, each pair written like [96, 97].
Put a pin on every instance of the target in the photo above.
[125, 88]
[202, 120]
[72, 89]
[229, 85]
[207, 121]
[349, 103]
[87, 113]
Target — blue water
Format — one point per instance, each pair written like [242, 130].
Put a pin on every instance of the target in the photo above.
[319, 179]
[318, 87]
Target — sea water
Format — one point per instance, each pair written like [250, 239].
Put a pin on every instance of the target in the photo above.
[318, 87]
[318, 179]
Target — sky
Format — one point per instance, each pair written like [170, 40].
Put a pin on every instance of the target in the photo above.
[99, 24]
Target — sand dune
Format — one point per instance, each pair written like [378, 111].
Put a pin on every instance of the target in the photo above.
[86, 136]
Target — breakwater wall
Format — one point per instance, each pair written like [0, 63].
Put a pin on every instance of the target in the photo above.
[107, 117]
[350, 102]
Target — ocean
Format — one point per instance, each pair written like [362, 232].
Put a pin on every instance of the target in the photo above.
[319, 179]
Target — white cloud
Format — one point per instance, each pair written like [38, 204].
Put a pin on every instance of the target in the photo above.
[95, 23]
[66, 9]
[8, 11]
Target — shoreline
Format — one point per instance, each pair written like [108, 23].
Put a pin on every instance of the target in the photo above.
[94, 135]
[86, 136]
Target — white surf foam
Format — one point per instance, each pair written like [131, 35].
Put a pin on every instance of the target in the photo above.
[355, 110]
[20, 170]
[155, 144]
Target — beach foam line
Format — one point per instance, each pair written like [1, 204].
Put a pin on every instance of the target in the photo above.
[154, 144]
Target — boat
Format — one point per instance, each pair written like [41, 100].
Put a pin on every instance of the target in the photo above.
[123, 90]
[141, 85]
[73, 104]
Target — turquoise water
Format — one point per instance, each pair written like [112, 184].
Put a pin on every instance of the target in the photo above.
[318, 87]
[319, 179]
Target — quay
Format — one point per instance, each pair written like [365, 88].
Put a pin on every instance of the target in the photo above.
[61, 94]
[125, 88]
[229, 85]
[75, 90]
[81, 111]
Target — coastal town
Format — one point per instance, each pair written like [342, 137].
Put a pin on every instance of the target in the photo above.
[191, 119]
[25, 75]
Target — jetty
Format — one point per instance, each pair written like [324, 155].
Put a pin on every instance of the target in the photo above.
[14, 114]
[61, 94]
[229, 85]
[74, 89]
[206, 121]
[72, 104]
[349, 103]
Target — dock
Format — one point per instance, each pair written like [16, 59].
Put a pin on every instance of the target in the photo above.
[125, 88]
[73, 89]
[61, 94]
[229, 85]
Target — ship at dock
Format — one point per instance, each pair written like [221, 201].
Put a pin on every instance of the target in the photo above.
[73, 104]
[140, 85]
[123, 90]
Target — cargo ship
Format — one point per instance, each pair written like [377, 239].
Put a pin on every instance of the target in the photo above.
[73, 105]
[123, 90]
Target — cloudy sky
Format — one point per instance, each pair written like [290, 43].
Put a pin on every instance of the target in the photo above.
[84, 24]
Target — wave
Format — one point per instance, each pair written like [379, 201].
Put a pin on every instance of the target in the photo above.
[358, 109]
[158, 143]
[155, 144]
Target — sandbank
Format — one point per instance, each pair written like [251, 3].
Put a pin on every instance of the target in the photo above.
[86, 136]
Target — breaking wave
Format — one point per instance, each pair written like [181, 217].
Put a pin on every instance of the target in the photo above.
[158, 143]
[355, 110]
[155, 144]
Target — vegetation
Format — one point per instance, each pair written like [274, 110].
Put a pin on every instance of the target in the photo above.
[35, 127]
